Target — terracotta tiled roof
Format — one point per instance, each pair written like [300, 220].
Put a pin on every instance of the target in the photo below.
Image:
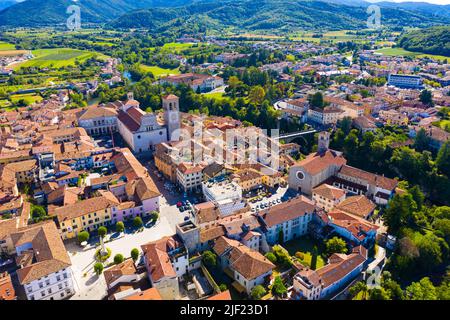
[211, 233]
[359, 206]
[96, 112]
[48, 251]
[371, 178]
[286, 211]
[249, 263]
[317, 163]
[149, 294]
[224, 295]
[84, 207]
[358, 227]
[157, 257]
[114, 273]
[329, 192]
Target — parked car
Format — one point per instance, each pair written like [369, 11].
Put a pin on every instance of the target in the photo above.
[179, 204]
[186, 218]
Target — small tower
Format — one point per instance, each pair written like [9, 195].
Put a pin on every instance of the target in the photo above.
[324, 142]
[130, 95]
[171, 106]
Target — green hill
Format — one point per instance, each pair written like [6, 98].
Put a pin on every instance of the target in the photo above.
[272, 15]
[434, 40]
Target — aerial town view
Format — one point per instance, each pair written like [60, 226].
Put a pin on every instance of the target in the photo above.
[259, 151]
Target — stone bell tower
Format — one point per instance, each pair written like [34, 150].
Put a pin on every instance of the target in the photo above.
[171, 106]
[323, 143]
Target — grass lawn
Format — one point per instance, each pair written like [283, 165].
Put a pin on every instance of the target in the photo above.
[215, 95]
[406, 53]
[159, 72]
[58, 58]
[305, 245]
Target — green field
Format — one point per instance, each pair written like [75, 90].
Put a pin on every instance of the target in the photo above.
[58, 58]
[6, 46]
[29, 98]
[406, 53]
[159, 72]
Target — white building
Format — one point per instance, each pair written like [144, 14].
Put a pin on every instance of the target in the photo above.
[405, 81]
[289, 219]
[98, 120]
[189, 176]
[45, 267]
[226, 195]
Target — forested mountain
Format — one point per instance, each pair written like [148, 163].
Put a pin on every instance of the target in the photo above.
[32, 13]
[271, 15]
[435, 40]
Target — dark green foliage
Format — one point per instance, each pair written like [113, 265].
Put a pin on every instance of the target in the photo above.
[433, 40]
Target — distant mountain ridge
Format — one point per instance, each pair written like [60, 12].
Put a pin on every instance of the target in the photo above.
[268, 15]
[281, 15]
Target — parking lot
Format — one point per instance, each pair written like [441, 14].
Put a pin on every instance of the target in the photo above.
[263, 202]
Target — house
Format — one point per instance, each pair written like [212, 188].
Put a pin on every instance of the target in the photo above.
[248, 267]
[357, 231]
[359, 206]
[7, 291]
[331, 278]
[224, 295]
[288, 219]
[364, 124]
[190, 176]
[325, 116]
[202, 82]
[327, 197]
[166, 261]
[44, 265]
[123, 280]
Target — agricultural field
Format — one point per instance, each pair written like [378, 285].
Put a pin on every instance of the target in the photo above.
[406, 53]
[28, 98]
[159, 72]
[58, 58]
[334, 36]
[6, 46]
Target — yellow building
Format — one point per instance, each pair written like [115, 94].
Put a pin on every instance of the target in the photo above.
[86, 215]
[248, 179]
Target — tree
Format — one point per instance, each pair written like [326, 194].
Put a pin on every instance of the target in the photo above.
[38, 213]
[417, 196]
[358, 287]
[399, 212]
[278, 287]
[421, 141]
[98, 268]
[135, 254]
[280, 236]
[336, 245]
[378, 294]
[102, 231]
[223, 287]
[443, 159]
[283, 257]
[209, 258]
[422, 290]
[272, 258]
[120, 227]
[257, 95]
[154, 215]
[137, 222]
[346, 124]
[118, 258]
[83, 236]
[317, 100]
[258, 292]
[426, 97]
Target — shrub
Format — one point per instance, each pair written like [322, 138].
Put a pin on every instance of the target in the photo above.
[300, 255]
[104, 257]
[336, 245]
[83, 236]
[120, 227]
[209, 258]
[98, 268]
[271, 257]
[258, 292]
[102, 231]
[154, 215]
[137, 222]
[283, 257]
[118, 258]
[134, 254]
